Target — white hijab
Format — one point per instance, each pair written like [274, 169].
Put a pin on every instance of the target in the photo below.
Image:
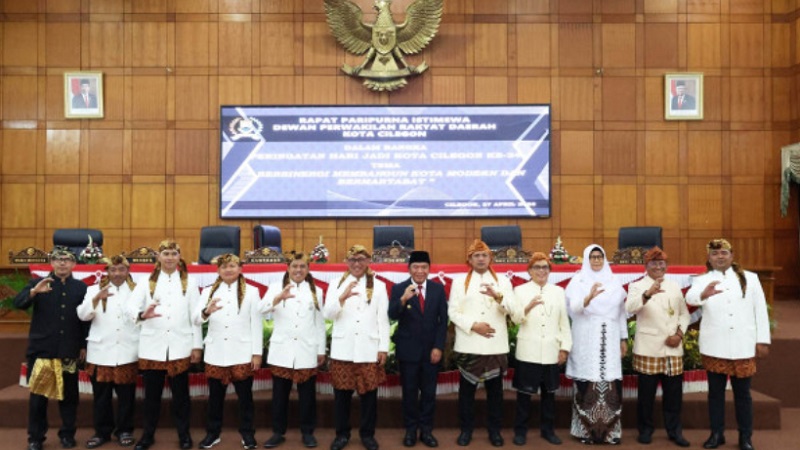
[606, 303]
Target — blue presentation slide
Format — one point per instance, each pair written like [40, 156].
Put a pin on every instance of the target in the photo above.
[385, 161]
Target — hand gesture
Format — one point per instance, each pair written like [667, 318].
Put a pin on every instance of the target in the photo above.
[42, 287]
[255, 362]
[103, 295]
[710, 290]
[436, 356]
[562, 357]
[348, 292]
[597, 289]
[411, 290]
[489, 289]
[150, 311]
[484, 329]
[213, 306]
[655, 288]
[285, 294]
[674, 341]
[536, 301]
[382, 358]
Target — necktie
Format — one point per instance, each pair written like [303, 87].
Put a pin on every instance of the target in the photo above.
[421, 298]
[680, 101]
[86, 100]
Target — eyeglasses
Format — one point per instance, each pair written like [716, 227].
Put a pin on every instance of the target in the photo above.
[61, 260]
[538, 267]
[657, 264]
[597, 257]
[357, 260]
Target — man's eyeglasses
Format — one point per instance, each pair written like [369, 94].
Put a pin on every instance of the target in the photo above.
[61, 260]
[540, 268]
[596, 257]
[657, 264]
[357, 260]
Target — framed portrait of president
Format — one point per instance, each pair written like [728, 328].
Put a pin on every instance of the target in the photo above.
[83, 95]
[683, 96]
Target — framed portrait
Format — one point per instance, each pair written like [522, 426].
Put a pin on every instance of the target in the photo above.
[683, 96]
[83, 95]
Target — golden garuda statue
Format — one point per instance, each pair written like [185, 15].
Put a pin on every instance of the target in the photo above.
[384, 68]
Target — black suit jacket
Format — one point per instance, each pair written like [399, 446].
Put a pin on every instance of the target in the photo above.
[417, 333]
[56, 331]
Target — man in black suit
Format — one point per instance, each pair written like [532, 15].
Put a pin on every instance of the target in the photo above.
[85, 99]
[681, 100]
[56, 342]
[420, 307]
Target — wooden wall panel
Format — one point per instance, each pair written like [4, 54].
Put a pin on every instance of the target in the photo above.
[533, 44]
[169, 64]
[19, 152]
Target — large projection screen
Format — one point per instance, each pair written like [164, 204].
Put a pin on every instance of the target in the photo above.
[384, 161]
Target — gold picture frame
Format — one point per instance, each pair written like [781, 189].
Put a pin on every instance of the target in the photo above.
[83, 95]
[683, 96]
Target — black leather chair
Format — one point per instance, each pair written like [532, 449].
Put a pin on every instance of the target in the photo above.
[76, 239]
[644, 237]
[215, 241]
[388, 235]
[501, 236]
[267, 236]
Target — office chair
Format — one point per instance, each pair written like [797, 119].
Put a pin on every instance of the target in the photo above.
[215, 241]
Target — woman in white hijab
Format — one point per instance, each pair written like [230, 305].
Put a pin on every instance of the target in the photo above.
[599, 334]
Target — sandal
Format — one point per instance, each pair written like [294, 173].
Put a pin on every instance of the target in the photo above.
[95, 441]
[126, 439]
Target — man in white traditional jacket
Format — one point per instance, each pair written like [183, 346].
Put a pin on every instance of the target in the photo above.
[296, 347]
[169, 342]
[661, 319]
[358, 306]
[112, 352]
[544, 341]
[233, 347]
[478, 306]
[733, 333]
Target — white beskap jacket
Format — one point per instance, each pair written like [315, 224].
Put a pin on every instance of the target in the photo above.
[174, 333]
[360, 329]
[654, 323]
[113, 337]
[545, 330]
[234, 333]
[732, 324]
[298, 334]
[466, 308]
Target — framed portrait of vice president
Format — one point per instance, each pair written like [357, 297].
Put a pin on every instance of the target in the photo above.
[683, 96]
[83, 95]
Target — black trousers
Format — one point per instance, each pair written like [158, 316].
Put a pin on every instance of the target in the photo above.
[671, 399]
[104, 423]
[419, 394]
[67, 408]
[369, 412]
[153, 386]
[216, 405]
[742, 401]
[307, 397]
[547, 408]
[494, 404]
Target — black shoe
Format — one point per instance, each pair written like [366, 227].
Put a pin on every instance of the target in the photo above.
[339, 442]
[519, 439]
[714, 441]
[464, 438]
[369, 443]
[309, 440]
[185, 443]
[34, 446]
[745, 443]
[274, 441]
[679, 440]
[209, 441]
[410, 439]
[143, 444]
[96, 441]
[428, 439]
[249, 442]
[644, 438]
[496, 439]
[551, 438]
[67, 442]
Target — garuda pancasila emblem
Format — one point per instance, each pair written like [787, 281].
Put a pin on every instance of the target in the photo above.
[384, 67]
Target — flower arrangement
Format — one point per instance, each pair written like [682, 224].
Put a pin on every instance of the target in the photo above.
[559, 255]
[320, 253]
[91, 254]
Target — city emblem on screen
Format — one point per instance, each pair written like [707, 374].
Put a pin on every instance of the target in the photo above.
[384, 42]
